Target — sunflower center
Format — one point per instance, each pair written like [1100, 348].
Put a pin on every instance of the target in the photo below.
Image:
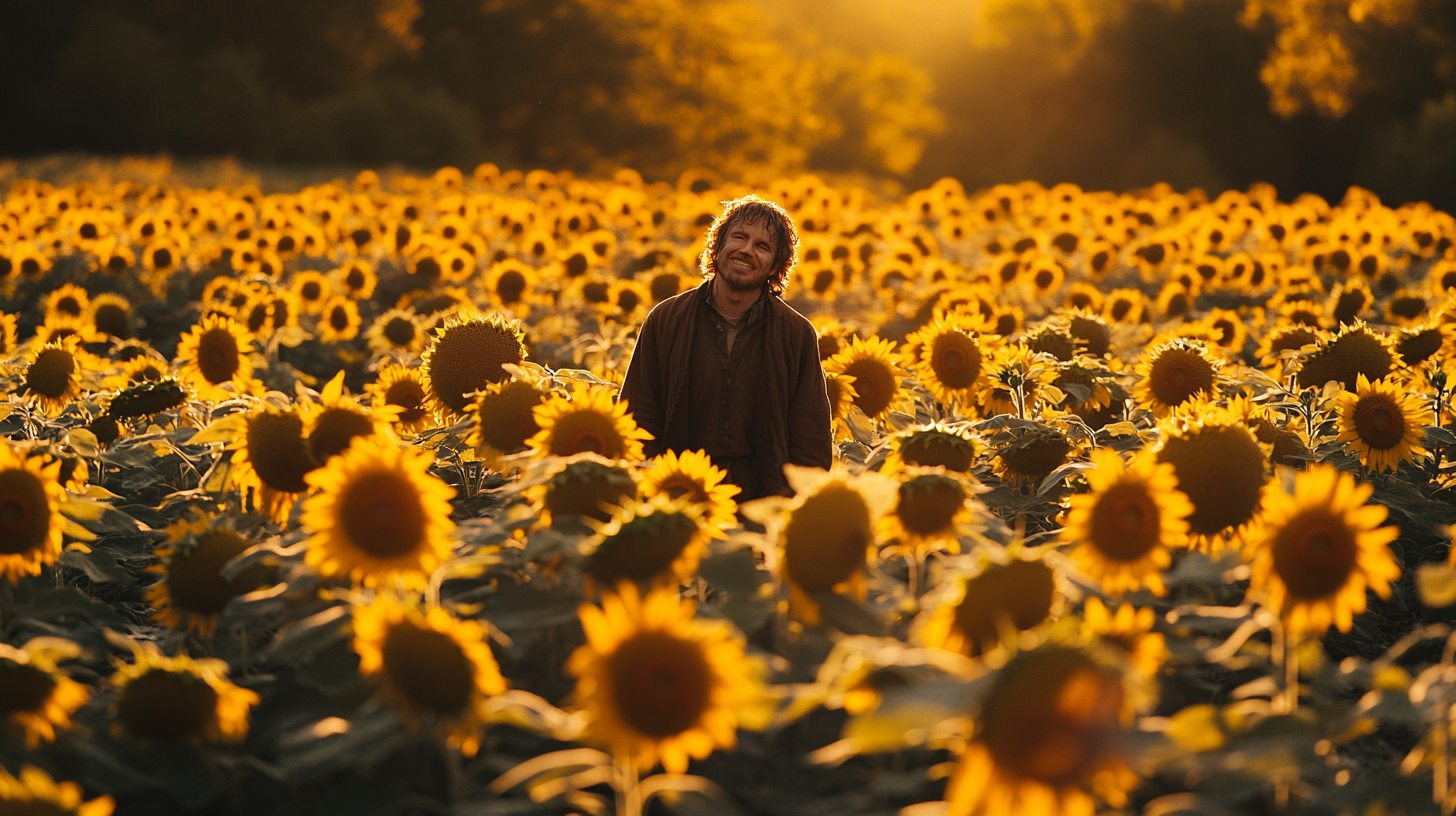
[586, 431]
[408, 395]
[874, 383]
[23, 687]
[468, 357]
[217, 355]
[1178, 374]
[1051, 717]
[334, 429]
[25, 512]
[826, 538]
[643, 549]
[277, 451]
[166, 706]
[956, 360]
[1018, 595]
[381, 514]
[399, 331]
[929, 503]
[194, 578]
[1314, 554]
[1125, 522]
[661, 685]
[584, 488]
[1222, 470]
[112, 319]
[1379, 421]
[50, 374]
[510, 286]
[428, 667]
[508, 419]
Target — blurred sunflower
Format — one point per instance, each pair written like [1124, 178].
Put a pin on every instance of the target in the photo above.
[505, 419]
[339, 321]
[331, 424]
[465, 355]
[1129, 630]
[429, 662]
[178, 699]
[584, 486]
[1029, 454]
[1383, 423]
[216, 353]
[403, 390]
[1322, 547]
[1357, 350]
[312, 289]
[378, 515]
[932, 506]
[1122, 528]
[1221, 468]
[657, 540]
[36, 695]
[31, 524]
[357, 278]
[658, 685]
[35, 793]
[68, 299]
[111, 315]
[828, 534]
[977, 614]
[398, 331]
[8, 343]
[587, 421]
[192, 589]
[693, 477]
[876, 375]
[511, 285]
[1174, 373]
[271, 459]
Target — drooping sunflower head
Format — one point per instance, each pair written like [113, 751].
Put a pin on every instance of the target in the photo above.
[271, 459]
[1221, 468]
[1322, 546]
[585, 486]
[1175, 372]
[35, 793]
[994, 606]
[1285, 337]
[829, 533]
[215, 357]
[1026, 455]
[934, 445]
[404, 391]
[1122, 528]
[429, 662]
[36, 695]
[193, 590]
[465, 355]
[693, 477]
[31, 525]
[505, 419]
[178, 699]
[587, 422]
[876, 375]
[1384, 423]
[1356, 350]
[658, 685]
[659, 540]
[53, 374]
[378, 515]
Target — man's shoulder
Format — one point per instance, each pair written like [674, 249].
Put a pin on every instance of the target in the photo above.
[790, 317]
[675, 305]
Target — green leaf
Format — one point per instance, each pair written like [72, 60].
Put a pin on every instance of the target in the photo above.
[99, 565]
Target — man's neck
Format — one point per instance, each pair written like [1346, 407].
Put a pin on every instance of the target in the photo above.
[732, 303]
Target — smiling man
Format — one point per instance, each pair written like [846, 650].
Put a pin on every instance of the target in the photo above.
[730, 368]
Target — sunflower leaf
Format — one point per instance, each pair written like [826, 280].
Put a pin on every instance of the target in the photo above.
[99, 565]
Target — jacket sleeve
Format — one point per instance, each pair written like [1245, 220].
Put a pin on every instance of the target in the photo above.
[811, 438]
[644, 385]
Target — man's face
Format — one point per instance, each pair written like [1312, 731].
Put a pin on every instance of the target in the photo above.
[745, 255]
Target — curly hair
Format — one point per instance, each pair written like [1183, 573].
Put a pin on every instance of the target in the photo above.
[751, 209]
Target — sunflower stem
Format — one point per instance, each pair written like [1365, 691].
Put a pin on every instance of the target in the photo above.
[1291, 669]
[629, 792]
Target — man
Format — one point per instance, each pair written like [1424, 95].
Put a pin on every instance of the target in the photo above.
[730, 368]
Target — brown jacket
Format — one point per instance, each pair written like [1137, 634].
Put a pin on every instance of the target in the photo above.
[794, 400]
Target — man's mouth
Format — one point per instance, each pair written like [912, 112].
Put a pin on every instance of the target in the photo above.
[742, 263]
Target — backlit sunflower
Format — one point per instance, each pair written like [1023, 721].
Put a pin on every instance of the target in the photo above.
[1221, 468]
[584, 486]
[312, 289]
[178, 699]
[111, 315]
[1018, 382]
[952, 359]
[1047, 740]
[271, 459]
[977, 614]
[31, 524]
[876, 375]
[658, 540]
[1322, 547]
[1282, 338]
[1384, 423]
[933, 445]
[398, 331]
[35, 693]
[692, 476]
[339, 320]
[403, 390]
[1129, 630]
[840, 389]
[511, 285]
[332, 424]
[505, 419]
[429, 662]
[1174, 373]
[357, 278]
[214, 357]
[828, 534]
[658, 685]
[192, 589]
[932, 505]
[379, 515]
[465, 355]
[52, 374]
[1356, 350]
[587, 422]
[35, 793]
[67, 299]
[1027, 455]
[1122, 528]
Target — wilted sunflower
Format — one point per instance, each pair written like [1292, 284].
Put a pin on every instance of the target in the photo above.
[658, 685]
[398, 331]
[876, 375]
[35, 793]
[403, 390]
[271, 459]
[35, 694]
[174, 699]
[1122, 528]
[53, 374]
[659, 540]
[192, 589]
[31, 524]
[1047, 740]
[692, 476]
[429, 662]
[1383, 423]
[1322, 547]
[505, 419]
[214, 354]
[829, 533]
[952, 358]
[465, 355]
[1221, 468]
[378, 515]
[1129, 630]
[587, 422]
[1175, 372]
[978, 613]
[1356, 350]
[585, 486]
[339, 320]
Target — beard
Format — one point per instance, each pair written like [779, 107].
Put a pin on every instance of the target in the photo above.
[738, 279]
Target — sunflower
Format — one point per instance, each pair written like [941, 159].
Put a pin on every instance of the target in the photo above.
[1322, 547]
[31, 524]
[402, 389]
[952, 357]
[67, 299]
[511, 285]
[8, 342]
[53, 374]
[1383, 423]
[1129, 630]
[378, 515]
[339, 321]
[876, 376]
[429, 662]
[585, 486]
[1125, 306]
[1285, 337]
[60, 326]
[841, 393]
[172, 699]
[465, 355]
[35, 792]
[215, 354]
[1356, 350]
[1018, 382]
[505, 419]
[658, 540]
[932, 506]
[35, 694]
[978, 613]
[1047, 740]
[587, 422]
[332, 424]
[312, 290]
[933, 445]
[1174, 373]
[357, 278]
[398, 331]
[111, 315]
[1029, 454]
[271, 459]
[658, 685]
[692, 476]
[1221, 468]
[828, 534]
[192, 589]
[1122, 529]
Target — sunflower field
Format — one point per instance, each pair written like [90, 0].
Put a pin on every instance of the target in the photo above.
[322, 502]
